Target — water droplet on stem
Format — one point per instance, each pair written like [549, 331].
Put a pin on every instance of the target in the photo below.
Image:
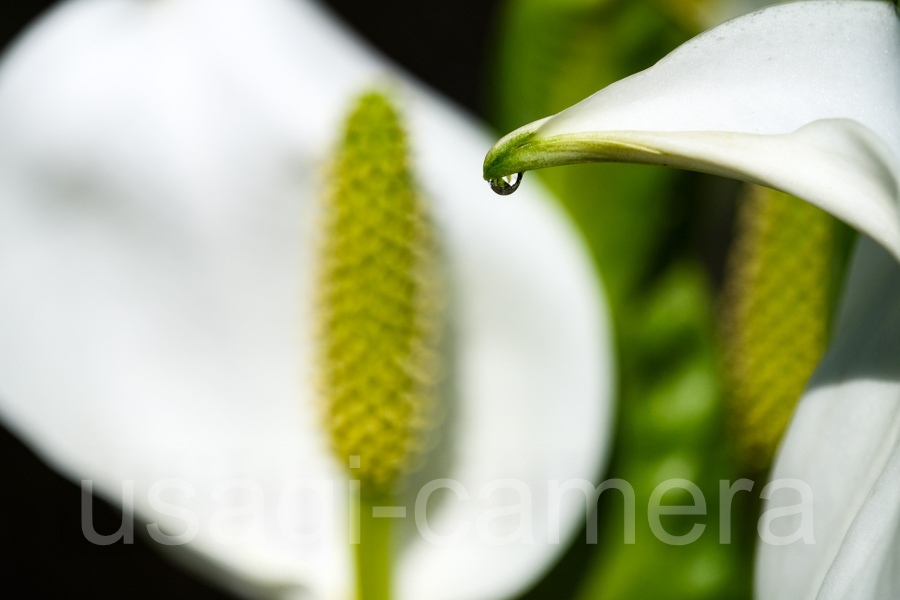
[506, 185]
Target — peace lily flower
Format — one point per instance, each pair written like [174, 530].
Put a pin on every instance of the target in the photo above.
[803, 98]
[160, 165]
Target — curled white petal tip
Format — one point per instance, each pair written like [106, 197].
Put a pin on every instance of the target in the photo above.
[800, 97]
[155, 195]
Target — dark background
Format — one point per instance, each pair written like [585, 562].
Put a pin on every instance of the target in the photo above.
[43, 553]
[442, 43]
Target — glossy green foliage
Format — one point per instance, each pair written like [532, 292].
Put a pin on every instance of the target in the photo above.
[672, 427]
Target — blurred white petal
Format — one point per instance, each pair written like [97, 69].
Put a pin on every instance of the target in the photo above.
[159, 163]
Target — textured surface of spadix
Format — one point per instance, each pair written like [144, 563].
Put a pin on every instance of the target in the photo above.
[825, 76]
[158, 166]
[844, 441]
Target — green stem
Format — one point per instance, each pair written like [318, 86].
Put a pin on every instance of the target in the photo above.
[373, 552]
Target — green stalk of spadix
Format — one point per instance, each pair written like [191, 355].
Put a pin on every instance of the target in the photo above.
[379, 306]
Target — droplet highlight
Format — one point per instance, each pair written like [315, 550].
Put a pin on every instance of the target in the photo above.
[506, 185]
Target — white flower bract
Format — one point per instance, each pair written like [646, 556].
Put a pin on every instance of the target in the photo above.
[159, 165]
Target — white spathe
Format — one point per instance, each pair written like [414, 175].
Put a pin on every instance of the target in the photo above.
[843, 442]
[802, 97]
[159, 165]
